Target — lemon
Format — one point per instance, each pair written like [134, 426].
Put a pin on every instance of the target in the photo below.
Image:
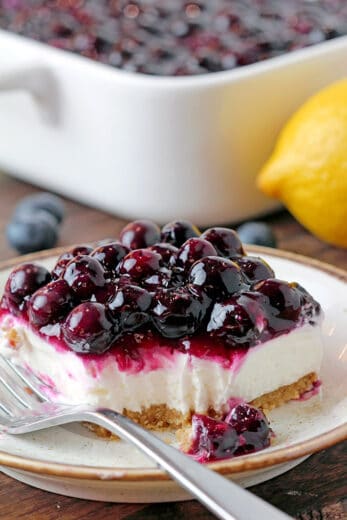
[308, 169]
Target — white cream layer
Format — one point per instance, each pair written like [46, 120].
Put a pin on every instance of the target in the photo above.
[183, 383]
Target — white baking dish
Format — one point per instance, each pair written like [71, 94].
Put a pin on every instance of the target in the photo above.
[153, 147]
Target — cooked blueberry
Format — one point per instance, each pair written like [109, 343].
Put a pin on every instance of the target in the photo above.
[130, 306]
[177, 232]
[178, 312]
[161, 278]
[252, 427]
[168, 252]
[106, 293]
[212, 439]
[257, 233]
[193, 249]
[225, 241]
[140, 264]
[216, 276]
[65, 258]
[239, 320]
[50, 303]
[89, 329]
[282, 299]
[41, 201]
[85, 275]
[140, 234]
[308, 304]
[32, 231]
[254, 268]
[179, 277]
[109, 255]
[22, 283]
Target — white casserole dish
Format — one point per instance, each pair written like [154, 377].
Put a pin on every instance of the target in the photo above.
[143, 146]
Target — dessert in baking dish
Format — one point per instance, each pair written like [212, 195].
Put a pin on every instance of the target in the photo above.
[163, 325]
[179, 37]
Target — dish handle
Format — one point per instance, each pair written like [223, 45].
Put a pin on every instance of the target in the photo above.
[40, 83]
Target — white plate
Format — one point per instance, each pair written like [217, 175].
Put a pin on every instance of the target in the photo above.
[72, 461]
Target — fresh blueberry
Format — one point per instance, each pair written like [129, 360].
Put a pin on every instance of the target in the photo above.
[41, 201]
[32, 231]
[257, 233]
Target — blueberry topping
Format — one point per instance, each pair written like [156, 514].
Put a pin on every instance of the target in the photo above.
[130, 307]
[182, 286]
[240, 320]
[140, 264]
[254, 269]
[140, 234]
[193, 249]
[168, 253]
[225, 241]
[50, 303]
[65, 258]
[257, 233]
[244, 430]
[85, 275]
[41, 201]
[22, 283]
[89, 329]
[109, 255]
[34, 231]
[282, 299]
[252, 427]
[177, 232]
[216, 276]
[212, 439]
[178, 312]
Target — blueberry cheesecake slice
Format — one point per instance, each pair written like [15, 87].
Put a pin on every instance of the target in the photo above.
[163, 325]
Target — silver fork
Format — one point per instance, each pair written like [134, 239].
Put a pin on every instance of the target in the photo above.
[25, 408]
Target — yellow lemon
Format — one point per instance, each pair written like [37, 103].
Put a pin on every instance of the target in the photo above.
[308, 168]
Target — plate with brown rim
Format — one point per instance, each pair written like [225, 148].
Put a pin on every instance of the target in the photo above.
[72, 461]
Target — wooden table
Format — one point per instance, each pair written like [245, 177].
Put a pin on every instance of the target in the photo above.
[316, 489]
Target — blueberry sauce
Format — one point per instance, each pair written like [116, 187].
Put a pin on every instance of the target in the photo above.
[133, 302]
[176, 37]
[243, 430]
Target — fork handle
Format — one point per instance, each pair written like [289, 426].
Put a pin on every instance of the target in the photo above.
[222, 497]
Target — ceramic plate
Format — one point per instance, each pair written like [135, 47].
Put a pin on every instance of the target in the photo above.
[72, 461]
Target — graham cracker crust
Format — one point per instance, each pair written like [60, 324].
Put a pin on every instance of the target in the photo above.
[160, 417]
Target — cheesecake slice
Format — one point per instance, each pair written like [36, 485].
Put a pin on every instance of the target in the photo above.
[162, 325]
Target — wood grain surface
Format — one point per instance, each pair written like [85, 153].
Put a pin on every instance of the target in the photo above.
[314, 490]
